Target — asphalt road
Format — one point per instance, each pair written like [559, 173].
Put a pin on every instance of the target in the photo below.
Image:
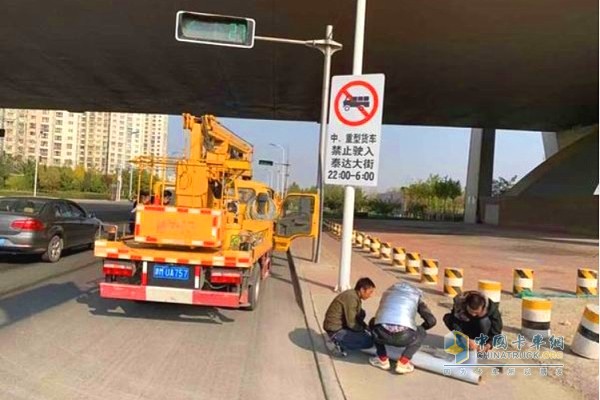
[60, 340]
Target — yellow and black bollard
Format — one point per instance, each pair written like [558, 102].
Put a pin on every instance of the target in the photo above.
[522, 280]
[536, 314]
[453, 281]
[585, 342]
[429, 271]
[491, 289]
[587, 282]
[413, 263]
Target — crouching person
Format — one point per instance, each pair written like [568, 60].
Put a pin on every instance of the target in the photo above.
[474, 315]
[345, 319]
[394, 325]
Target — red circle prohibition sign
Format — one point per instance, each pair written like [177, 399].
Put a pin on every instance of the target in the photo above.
[367, 115]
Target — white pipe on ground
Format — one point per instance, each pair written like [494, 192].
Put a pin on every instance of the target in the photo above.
[433, 361]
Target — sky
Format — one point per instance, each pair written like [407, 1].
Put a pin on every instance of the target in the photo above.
[407, 154]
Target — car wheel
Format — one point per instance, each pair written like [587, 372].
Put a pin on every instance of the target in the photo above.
[54, 250]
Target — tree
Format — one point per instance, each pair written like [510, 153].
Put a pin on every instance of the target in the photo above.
[294, 188]
[7, 166]
[502, 185]
[48, 179]
[67, 180]
[381, 207]
[432, 196]
[333, 197]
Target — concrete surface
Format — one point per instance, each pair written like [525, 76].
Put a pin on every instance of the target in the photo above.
[60, 340]
[358, 380]
[492, 253]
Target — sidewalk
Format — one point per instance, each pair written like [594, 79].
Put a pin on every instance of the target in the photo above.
[353, 378]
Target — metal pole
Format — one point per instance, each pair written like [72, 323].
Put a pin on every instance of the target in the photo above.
[286, 170]
[108, 145]
[283, 172]
[282, 169]
[119, 182]
[35, 173]
[327, 51]
[348, 221]
[130, 181]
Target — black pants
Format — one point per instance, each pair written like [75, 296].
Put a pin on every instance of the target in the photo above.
[471, 328]
[410, 339]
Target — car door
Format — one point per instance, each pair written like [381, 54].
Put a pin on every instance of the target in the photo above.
[299, 218]
[87, 226]
[70, 224]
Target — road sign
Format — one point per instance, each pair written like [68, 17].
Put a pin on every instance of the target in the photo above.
[265, 162]
[219, 30]
[354, 130]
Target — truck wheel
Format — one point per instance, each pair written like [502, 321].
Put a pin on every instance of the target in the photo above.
[254, 289]
[54, 249]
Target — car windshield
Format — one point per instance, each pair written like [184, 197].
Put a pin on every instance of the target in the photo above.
[21, 205]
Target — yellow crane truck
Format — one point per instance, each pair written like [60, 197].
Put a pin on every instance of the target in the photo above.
[211, 244]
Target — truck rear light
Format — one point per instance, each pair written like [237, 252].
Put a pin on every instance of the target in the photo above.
[225, 277]
[118, 268]
[28, 225]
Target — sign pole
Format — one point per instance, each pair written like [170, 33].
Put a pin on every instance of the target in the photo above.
[349, 193]
[328, 52]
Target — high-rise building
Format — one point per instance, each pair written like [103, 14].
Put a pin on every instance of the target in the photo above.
[51, 134]
[103, 141]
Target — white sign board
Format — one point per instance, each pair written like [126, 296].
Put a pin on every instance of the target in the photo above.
[354, 130]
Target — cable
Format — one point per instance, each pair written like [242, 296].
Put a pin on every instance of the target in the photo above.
[252, 209]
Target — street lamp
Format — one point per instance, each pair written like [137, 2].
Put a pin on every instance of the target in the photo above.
[283, 167]
[37, 157]
[131, 133]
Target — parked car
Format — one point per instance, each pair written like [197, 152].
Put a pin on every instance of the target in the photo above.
[46, 226]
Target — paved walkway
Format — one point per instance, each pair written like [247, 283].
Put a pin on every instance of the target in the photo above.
[353, 378]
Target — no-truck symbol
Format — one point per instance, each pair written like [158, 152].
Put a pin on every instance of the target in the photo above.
[356, 103]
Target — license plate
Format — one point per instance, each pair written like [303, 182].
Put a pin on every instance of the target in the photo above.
[171, 273]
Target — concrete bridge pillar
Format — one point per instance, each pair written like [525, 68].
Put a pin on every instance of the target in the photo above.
[550, 141]
[480, 171]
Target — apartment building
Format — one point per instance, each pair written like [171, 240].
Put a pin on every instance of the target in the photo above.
[103, 141]
[51, 134]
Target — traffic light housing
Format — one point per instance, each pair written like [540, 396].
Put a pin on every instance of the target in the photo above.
[218, 30]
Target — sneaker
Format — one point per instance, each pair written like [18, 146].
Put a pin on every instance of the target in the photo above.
[376, 362]
[339, 350]
[404, 368]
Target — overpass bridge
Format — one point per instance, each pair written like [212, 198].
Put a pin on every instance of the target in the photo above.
[498, 64]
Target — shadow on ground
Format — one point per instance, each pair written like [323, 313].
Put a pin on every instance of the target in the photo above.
[302, 337]
[34, 301]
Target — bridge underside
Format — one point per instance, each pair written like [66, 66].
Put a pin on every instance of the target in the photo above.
[505, 64]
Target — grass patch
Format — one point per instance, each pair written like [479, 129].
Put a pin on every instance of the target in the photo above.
[61, 195]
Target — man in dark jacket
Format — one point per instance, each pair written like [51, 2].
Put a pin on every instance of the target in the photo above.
[474, 314]
[394, 325]
[345, 319]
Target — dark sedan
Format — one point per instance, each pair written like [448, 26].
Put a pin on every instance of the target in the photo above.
[35, 225]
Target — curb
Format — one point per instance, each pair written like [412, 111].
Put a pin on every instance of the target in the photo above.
[330, 382]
